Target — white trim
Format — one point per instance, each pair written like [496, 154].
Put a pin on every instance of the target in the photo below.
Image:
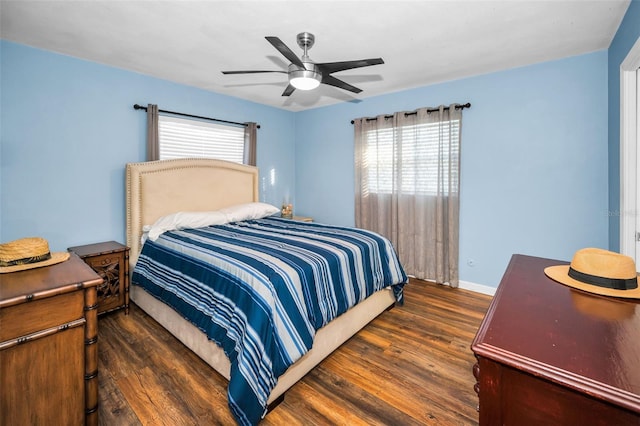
[467, 285]
[628, 151]
[478, 288]
[632, 61]
[628, 162]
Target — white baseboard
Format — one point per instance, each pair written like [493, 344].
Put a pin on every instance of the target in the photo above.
[478, 288]
[468, 285]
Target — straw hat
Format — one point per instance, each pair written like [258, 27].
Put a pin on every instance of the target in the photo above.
[28, 253]
[600, 272]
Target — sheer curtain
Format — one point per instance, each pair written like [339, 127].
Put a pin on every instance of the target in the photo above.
[250, 143]
[407, 170]
[153, 138]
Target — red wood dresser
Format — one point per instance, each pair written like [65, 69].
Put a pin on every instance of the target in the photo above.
[551, 355]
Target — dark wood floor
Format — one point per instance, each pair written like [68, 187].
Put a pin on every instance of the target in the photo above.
[410, 366]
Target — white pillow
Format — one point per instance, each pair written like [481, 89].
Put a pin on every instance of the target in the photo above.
[185, 220]
[249, 211]
[192, 220]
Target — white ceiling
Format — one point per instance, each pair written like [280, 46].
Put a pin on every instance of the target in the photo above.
[421, 42]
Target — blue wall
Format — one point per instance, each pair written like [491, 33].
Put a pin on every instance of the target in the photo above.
[534, 168]
[534, 152]
[69, 128]
[627, 35]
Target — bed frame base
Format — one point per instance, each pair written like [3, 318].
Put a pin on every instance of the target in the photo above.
[157, 188]
[327, 339]
[275, 403]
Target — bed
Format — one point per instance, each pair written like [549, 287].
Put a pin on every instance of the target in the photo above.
[159, 188]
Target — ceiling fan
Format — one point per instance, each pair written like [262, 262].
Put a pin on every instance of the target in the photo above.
[304, 74]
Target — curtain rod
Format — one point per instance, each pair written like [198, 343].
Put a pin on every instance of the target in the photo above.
[467, 105]
[137, 107]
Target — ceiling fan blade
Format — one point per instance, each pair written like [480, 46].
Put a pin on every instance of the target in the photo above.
[332, 81]
[251, 72]
[329, 67]
[286, 52]
[288, 91]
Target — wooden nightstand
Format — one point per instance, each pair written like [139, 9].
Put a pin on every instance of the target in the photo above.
[111, 261]
[302, 218]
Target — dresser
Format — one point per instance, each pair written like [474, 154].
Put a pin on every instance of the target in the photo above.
[48, 345]
[551, 355]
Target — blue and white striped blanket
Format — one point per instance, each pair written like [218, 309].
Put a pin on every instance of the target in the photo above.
[262, 288]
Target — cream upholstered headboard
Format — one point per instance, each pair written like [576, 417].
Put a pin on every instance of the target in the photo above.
[157, 188]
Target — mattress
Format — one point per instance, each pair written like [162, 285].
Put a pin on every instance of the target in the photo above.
[260, 289]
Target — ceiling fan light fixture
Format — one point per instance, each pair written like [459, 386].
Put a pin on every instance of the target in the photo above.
[305, 79]
[304, 74]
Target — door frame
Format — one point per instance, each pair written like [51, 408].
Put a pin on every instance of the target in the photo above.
[629, 150]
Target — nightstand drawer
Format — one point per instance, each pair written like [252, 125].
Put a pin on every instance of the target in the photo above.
[51, 312]
[105, 262]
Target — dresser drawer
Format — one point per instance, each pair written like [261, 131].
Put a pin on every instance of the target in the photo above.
[44, 379]
[29, 317]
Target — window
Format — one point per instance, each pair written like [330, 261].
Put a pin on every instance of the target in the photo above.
[425, 150]
[179, 138]
[407, 168]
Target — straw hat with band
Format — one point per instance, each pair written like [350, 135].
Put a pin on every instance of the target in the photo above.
[28, 253]
[600, 272]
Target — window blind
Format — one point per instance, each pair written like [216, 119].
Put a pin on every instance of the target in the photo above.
[180, 138]
[422, 148]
